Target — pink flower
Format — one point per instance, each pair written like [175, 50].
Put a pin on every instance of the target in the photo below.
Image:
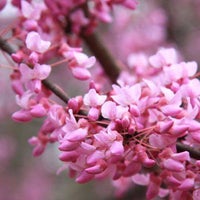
[111, 111]
[126, 95]
[141, 179]
[130, 3]
[196, 194]
[78, 62]
[33, 77]
[3, 4]
[117, 148]
[35, 43]
[31, 11]
[39, 147]
[163, 57]
[93, 99]
[173, 165]
[22, 116]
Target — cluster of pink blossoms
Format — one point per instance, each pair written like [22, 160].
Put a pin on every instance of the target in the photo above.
[129, 134]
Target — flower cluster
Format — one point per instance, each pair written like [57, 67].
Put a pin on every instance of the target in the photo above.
[129, 134]
[132, 129]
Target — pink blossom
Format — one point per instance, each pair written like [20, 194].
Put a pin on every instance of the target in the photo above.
[39, 147]
[76, 135]
[196, 194]
[153, 187]
[117, 148]
[79, 64]
[130, 3]
[35, 75]
[84, 177]
[111, 111]
[173, 165]
[126, 95]
[31, 11]
[93, 99]
[22, 116]
[163, 57]
[141, 179]
[3, 4]
[34, 42]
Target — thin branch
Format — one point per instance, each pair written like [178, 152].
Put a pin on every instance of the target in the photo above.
[194, 153]
[51, 86]
[6, 47]
[56, 90]
[105, 58]
[111, 66]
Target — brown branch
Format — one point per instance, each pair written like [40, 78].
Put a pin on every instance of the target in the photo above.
[194, 153]
[109, 63]
[56, 90]
[51, 86]
[6, 47]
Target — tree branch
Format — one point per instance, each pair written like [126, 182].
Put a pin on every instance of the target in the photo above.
[4, 46]
[56, 90]
[194, 153]
[109, 63]
[51, 86]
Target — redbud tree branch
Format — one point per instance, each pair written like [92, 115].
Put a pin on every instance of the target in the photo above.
[51, 86]
[108, 62]
[194, 153]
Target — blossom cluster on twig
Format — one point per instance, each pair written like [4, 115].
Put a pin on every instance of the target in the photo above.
[128, 134]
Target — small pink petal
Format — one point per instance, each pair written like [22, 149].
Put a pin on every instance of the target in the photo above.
[172, 181]
[173, 165]
[35, 43]
[141, 179]
[109, 110]
[132, 168]
[38, 111]
[163, 126]
[130, 3]
[191, 68]
[27, 73]
[84, 177]
[81, 73]
[68, 146]
[182, 156]
[117, 148]
[148, 162]
[171, 110]
[77, 135]
[87, 147]
[69, 156]
[2, 4]
[22, 116]
[96, 169]
[187, 184]
[195, 136]
[41, 71]
[179, 130]
[93, 114]
[93, 99]
[153, 189]
[94, 157]
[196, 194]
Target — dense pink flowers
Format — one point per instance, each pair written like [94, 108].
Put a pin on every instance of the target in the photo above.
[127, 132]
[141, 124]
